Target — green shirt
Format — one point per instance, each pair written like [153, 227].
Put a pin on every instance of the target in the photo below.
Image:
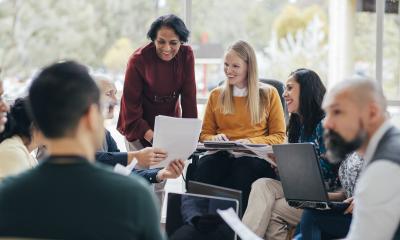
[77, 200]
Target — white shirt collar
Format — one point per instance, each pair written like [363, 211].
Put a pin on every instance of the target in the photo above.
[239, 92]
[375, 139]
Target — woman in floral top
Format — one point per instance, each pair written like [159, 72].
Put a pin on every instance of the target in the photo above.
[268, 213]
[332, 224]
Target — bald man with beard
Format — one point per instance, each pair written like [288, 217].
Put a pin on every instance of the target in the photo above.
[357, 119]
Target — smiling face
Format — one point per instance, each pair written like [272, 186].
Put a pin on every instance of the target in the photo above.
[344, 125]
[235, 69]
[292, 95]
[167, 43]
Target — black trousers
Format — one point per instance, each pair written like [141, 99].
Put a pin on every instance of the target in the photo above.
[222, 169]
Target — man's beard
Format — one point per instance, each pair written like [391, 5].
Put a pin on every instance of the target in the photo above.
[338, 148]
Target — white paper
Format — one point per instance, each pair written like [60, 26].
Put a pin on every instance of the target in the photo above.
[132, 165]
[260, 151]
[237, 226]
[177, 136]
[125, 170]
[121, 169]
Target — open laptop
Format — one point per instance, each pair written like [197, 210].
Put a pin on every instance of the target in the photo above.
[301, 177]
[217, 191]
[194, 216]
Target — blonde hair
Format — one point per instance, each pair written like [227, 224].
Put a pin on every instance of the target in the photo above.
[257, 99]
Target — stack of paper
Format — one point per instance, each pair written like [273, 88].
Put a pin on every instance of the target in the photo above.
[177, 136]
[260, 151]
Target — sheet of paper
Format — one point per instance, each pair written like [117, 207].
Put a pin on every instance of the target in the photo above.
[177, 136]
[237, 226]
[132, 165]
[121, 169]
[260, 151]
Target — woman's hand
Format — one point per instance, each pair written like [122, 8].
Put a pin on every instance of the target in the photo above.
[350, 208]
[220, 137]
[173, 170]
[272, 157]
[337, 196]
[150, 156]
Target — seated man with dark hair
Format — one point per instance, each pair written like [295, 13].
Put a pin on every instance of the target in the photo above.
[66, 196]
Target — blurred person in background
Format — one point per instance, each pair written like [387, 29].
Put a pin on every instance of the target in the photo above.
[67, 196]
[110, 154]
[3, 107]
[19, 138]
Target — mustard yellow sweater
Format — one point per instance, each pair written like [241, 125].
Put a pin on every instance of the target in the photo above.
[271, 130]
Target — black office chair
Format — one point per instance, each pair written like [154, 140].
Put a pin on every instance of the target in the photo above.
[196, 155]
[174, 214]
[281, 88]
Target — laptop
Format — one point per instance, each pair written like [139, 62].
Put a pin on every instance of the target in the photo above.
[217, 191]
[301, 177]
[194, 216]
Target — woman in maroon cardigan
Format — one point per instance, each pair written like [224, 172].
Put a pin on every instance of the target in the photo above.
[156, 76]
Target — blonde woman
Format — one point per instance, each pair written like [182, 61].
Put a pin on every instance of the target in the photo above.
[242, 110]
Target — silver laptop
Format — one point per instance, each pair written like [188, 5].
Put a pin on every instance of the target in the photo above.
[301, 177]
[217, 191]
[194, 216]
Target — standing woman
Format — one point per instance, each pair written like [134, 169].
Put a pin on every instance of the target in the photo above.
[157, 75]
[242, 110]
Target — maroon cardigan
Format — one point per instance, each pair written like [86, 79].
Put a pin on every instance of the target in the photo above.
[152, 87]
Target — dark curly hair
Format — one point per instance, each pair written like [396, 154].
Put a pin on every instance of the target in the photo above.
[310, 113]
[18, 122]
[171, 21]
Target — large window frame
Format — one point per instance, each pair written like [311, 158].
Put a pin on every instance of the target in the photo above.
[380, 12]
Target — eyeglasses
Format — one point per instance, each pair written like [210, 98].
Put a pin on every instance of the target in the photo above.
[165, 99]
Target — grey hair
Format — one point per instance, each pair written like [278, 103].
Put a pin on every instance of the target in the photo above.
[362, 90]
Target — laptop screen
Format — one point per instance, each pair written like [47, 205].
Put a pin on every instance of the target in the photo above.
[192, 216]
[299, 172]
[217, 191]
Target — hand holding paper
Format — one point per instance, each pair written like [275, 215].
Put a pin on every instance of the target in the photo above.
[177, 136]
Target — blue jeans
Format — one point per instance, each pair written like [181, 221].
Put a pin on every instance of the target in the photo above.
[319, 224]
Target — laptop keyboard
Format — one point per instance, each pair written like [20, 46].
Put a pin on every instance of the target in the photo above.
[305, 204]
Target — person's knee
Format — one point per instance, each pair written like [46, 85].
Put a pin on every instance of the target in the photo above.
[268, 183]
[263, 184]
[259, 184]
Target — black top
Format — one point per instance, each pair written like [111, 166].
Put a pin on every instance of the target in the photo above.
[77, 200]
[114, 156]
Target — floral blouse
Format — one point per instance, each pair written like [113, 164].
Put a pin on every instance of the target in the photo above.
[329, 171]
[349, 171]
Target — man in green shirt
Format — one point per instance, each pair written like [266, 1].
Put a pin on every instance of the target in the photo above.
[67, 196]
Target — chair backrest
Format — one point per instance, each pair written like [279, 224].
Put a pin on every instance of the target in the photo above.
[280, 87]
[173, 212]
